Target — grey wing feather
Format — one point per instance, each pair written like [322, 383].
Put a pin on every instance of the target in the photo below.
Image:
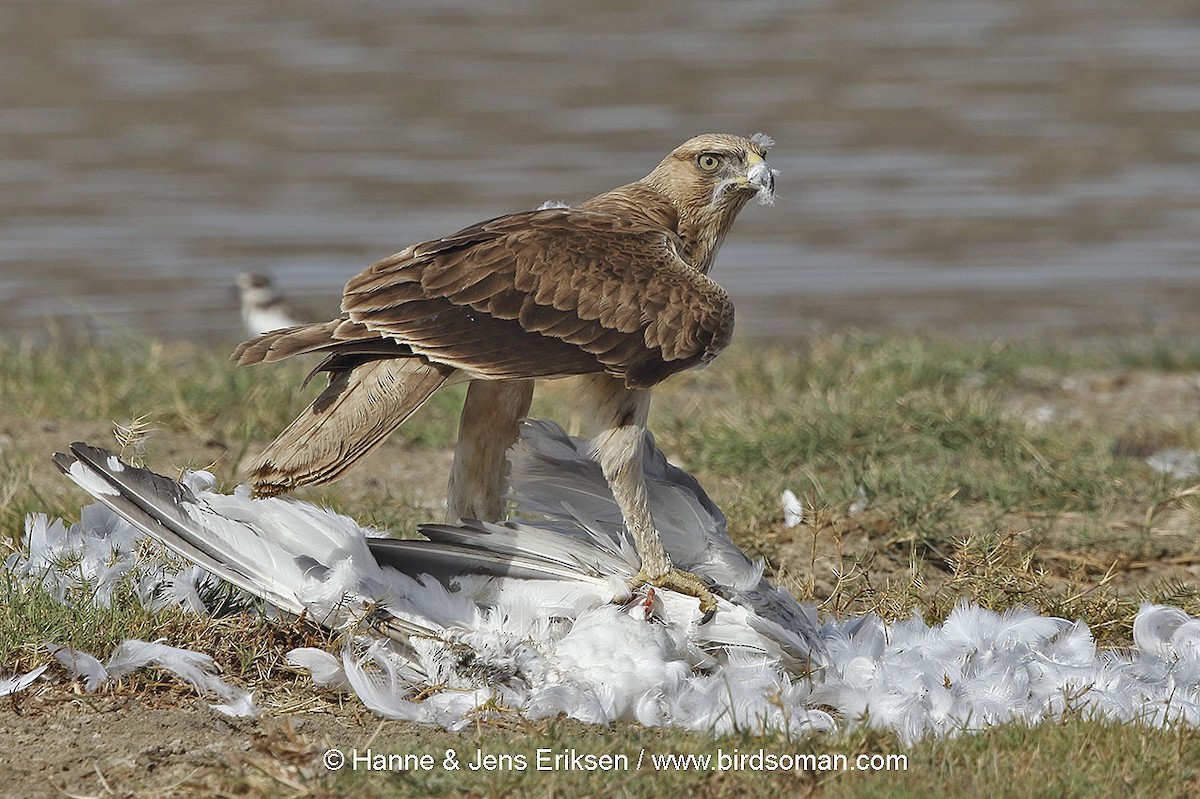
[576, 554]
[158, 506]
[237, 551]
[447, 561]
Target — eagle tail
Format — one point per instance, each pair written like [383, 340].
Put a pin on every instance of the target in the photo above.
[361, 406]
[341, 340]
[286, 342]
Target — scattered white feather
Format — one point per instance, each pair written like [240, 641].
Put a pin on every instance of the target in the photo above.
[12, 685]
[87, 562]
[80, 665]
[552, 204]
[793, 509]
[1044, 414]
[763, 140]
[1181, 464]
[861, 501]
[194, 668]
[326, 670]
[182, 589]
[980, 668]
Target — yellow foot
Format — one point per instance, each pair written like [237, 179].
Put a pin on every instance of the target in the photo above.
[683, 583]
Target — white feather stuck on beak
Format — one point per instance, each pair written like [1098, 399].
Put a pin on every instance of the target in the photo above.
[763, 176]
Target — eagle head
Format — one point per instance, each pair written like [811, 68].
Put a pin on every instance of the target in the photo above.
[708, 179]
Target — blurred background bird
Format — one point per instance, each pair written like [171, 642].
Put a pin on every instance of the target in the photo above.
[263, 307]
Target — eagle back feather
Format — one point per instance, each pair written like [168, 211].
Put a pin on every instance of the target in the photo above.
[548, 293]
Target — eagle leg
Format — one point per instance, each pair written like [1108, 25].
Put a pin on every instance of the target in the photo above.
[490, 424]
[623, 412]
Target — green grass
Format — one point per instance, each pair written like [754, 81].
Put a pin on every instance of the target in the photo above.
[927, 431]
[904, 420]
[968, 496]
[29, 618]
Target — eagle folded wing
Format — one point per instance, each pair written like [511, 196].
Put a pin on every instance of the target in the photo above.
[543, 294]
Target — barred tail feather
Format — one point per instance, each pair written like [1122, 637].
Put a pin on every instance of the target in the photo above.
[335, 338]
[279, 344]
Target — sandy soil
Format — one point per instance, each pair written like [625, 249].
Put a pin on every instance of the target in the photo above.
[167, 742]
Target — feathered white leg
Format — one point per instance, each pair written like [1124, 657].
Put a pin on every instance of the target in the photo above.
[490, 424]
[622, 413]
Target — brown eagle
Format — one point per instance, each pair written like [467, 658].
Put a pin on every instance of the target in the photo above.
[615, 289]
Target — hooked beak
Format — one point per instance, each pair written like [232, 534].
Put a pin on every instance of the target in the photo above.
[761, 177]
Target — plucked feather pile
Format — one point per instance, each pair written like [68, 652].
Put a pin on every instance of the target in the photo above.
[534, 617]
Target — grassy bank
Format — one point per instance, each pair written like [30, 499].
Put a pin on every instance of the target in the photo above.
[930, 470]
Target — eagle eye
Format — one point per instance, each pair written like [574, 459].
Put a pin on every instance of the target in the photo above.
[708, 161]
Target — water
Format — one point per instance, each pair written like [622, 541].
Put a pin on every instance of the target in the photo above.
[997, 167]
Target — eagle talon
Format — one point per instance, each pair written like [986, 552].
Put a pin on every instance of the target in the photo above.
[683, 583]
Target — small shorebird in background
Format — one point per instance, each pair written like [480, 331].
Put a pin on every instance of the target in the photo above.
[263, 308]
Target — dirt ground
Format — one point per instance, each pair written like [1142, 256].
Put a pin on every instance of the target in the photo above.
[58, 744]
[164, 740]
